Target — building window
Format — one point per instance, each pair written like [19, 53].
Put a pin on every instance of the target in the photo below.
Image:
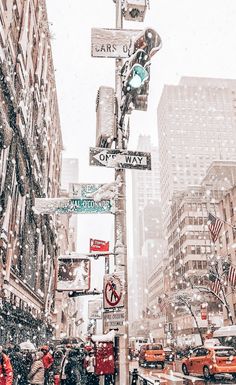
[198, 250]
[234, 233]
[227, 237]
[224, 215]
[234, 305]
[231, 209]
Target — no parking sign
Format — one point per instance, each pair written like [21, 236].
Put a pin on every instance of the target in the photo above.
[113, 290]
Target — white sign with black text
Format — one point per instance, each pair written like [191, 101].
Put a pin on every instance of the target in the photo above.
[112, 43]
[114, 321]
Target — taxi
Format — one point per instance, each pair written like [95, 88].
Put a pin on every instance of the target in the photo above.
[152, 354]
[208, 361]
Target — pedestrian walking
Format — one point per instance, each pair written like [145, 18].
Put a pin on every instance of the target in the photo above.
[63, 366]
[17, 362]
[72, 370]
[57, 366]
[92, 378]
[47, 362]
[36, 375]
[6, 371]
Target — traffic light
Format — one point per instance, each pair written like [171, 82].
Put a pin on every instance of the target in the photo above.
[148, 40]
[135, 72]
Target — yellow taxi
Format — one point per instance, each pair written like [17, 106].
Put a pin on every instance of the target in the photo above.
[208, 361]
[152, 354]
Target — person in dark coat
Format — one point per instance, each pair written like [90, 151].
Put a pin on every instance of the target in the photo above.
[57, 365]
[73, 375]
[18, 365]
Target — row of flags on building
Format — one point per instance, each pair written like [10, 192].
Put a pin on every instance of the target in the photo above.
[215, 225]
[219, 282]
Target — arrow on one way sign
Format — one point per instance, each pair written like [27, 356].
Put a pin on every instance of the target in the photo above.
[120, 158]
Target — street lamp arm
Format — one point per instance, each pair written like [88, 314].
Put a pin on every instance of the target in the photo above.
[208, 290]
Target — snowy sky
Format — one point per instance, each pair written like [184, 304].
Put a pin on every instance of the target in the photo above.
[198, 40]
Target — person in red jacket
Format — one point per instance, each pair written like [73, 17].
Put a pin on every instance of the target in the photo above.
[6, 371]
[47, 362]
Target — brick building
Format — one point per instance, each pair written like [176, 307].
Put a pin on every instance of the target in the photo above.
[30, 163]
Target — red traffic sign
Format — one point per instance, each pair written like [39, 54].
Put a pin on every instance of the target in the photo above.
[113, 290]
[98, 245]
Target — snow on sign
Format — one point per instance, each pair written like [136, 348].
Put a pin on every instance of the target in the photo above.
[83, 190]
[74, 206]
[120, 158]
[113, 290]
[112, 43]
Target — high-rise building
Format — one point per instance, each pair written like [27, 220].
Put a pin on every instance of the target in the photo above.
[146, 227]
[197, 125]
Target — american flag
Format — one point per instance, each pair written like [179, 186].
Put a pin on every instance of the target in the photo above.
[232, 276]
[216, 286]
[214, 226]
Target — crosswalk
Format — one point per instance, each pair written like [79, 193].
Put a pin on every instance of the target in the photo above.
[172, 377]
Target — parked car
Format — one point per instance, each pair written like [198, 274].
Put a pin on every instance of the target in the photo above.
[169, 354]
[209, 361]
[226, 335]
[152, 354]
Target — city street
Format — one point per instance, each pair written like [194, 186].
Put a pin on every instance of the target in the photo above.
[117, 192]
[172, 374]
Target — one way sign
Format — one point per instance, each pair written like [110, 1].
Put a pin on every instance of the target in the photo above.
[120, 158]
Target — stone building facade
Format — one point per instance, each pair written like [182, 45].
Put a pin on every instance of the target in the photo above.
[222, 175]
[30, 163]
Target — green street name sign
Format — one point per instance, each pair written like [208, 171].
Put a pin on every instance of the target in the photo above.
[86, 206]
[73, 206]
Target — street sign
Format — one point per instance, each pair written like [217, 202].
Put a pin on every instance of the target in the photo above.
[97, 245]
[112, 43]
[73, 206]
[95, 309]
[73, 273]
[120, 158]
[83, 190]
[113, 290]
[114, 321]
[82, 293]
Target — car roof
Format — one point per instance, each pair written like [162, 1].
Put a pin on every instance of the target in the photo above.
[214, 347]
[222, 347]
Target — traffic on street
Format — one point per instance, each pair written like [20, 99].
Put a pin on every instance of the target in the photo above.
[172, 373]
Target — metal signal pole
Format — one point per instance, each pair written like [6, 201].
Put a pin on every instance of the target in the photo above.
[120, 219]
